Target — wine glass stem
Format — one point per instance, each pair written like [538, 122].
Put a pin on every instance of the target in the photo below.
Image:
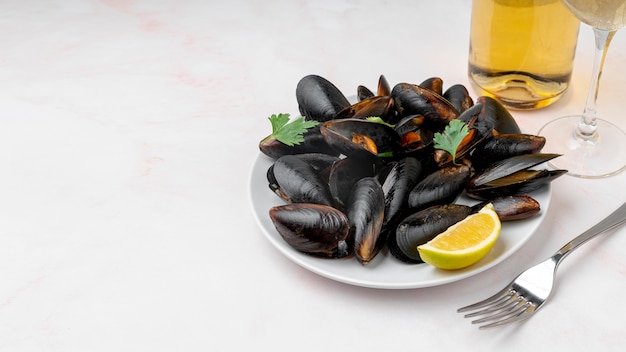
[587, 126]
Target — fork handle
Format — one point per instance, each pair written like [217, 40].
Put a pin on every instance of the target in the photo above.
[615, 219]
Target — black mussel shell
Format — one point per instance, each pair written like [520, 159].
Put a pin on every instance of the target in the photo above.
[498, 115]
[362, 93]
[273, 184]
[509, 166]
[340, 134]
[366, 211]
[518, 183]
[459, 97]
[313, 142]
[510, 208]
[412, 99]
[475, 119]
[503, 146]
[300, 182]
[473, 139]
[415, 140]
[421, 227]
[383, 88]
[319, 161]
[397, 184]
[344, 174]
[409, 123]
[314, 229]
[318, 99]
[439, 187]
[434, 84]
[379, 106]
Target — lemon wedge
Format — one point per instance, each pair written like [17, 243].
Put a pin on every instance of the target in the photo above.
[465, 242]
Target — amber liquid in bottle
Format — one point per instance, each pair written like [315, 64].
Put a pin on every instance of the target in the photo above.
[522, 51]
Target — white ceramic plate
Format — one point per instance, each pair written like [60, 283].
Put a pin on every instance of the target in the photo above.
[385, 271]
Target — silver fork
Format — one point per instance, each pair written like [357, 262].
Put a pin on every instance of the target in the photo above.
[531, 289]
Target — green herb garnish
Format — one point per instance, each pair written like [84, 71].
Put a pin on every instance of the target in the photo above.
[451, 137]
[377, 119]
[289, 133]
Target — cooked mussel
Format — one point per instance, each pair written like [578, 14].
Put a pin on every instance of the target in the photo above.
[379, 106]
[415, 140]
[509, 166]
[439, 187]
[314, 229]
[366, 211]
[413, 99]
[434, 84]
[512, 176]
[299, 182]
[383, 89]
[459, 97]
[344, 174]
[320, 162]
[398, 183]
[364, 139]
[313, 143]
[519, 183]
[319, 99]
[497, 115]
[421, 227]
[510, 208]
[503, 146]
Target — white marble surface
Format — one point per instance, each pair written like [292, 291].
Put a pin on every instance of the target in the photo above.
[127, 133]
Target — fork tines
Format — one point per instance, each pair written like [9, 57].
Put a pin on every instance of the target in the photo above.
[504, 307]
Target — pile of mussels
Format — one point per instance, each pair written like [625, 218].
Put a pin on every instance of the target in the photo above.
[355, 186]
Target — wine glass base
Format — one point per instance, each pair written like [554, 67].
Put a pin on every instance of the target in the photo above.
[599, 156]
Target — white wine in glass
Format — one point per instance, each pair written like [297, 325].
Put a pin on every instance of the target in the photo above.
[591, 147]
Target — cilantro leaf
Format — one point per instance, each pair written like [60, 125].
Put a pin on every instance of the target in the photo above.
[289, 133]
[378, 120]
[451, 137]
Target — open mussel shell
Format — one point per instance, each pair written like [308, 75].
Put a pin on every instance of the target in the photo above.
[467, 145]
[313, 142]
[509, 166]
[434, 84]
[318, 99]
[299, 182]
[366, 211]
[413, 99]
[362, 93]
[512, 176]
[439, 187]
[421, 227]
[380, 106]
[415, 140]
[382, 89]
[518, 183]
[314, 229]
[347, 136]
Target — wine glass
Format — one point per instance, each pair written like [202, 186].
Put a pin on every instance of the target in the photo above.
[591, 147]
